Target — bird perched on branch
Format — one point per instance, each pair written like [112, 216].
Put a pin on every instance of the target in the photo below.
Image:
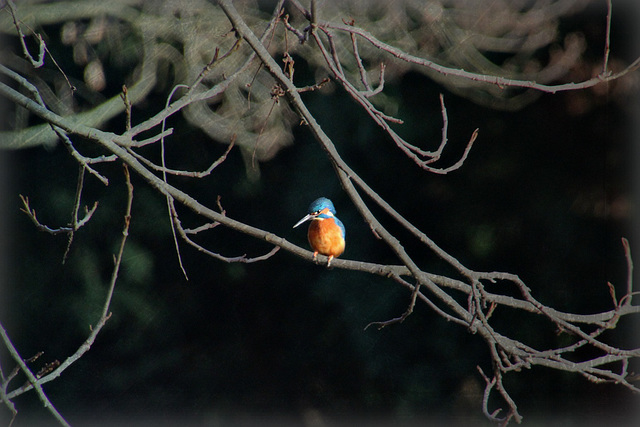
[326, 232]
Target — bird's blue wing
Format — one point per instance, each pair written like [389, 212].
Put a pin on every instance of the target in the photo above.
[341, 225]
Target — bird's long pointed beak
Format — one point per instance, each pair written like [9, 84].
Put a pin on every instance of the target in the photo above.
[306, 218]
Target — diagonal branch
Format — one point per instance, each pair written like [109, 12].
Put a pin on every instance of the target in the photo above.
[476, 77]
[34, 382]
[105, 315]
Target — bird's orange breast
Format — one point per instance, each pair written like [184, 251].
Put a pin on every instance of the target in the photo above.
[325, 237]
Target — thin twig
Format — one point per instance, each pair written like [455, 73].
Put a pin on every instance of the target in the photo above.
[173, 215]
[76, 208]
[31, 213]
[105, 315]
[34, 382]
[607, 40]
[85, 162]
[242, 258]
[476, 77]
[37, 63]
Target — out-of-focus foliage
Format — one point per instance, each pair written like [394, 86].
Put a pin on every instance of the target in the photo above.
[154, 45]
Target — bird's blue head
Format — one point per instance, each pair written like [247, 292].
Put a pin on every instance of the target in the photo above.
[318, 205]
[321, 208]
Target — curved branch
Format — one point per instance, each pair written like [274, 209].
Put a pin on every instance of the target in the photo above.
[499, 81]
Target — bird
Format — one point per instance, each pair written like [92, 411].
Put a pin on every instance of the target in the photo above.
[326, 232]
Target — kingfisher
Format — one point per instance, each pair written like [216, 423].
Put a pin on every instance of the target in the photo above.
[326, 232]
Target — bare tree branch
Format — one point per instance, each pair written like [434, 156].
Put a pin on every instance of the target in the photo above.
[104, 317]
[469, 298]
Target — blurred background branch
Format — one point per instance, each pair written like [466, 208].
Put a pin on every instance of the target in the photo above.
[154, 45]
